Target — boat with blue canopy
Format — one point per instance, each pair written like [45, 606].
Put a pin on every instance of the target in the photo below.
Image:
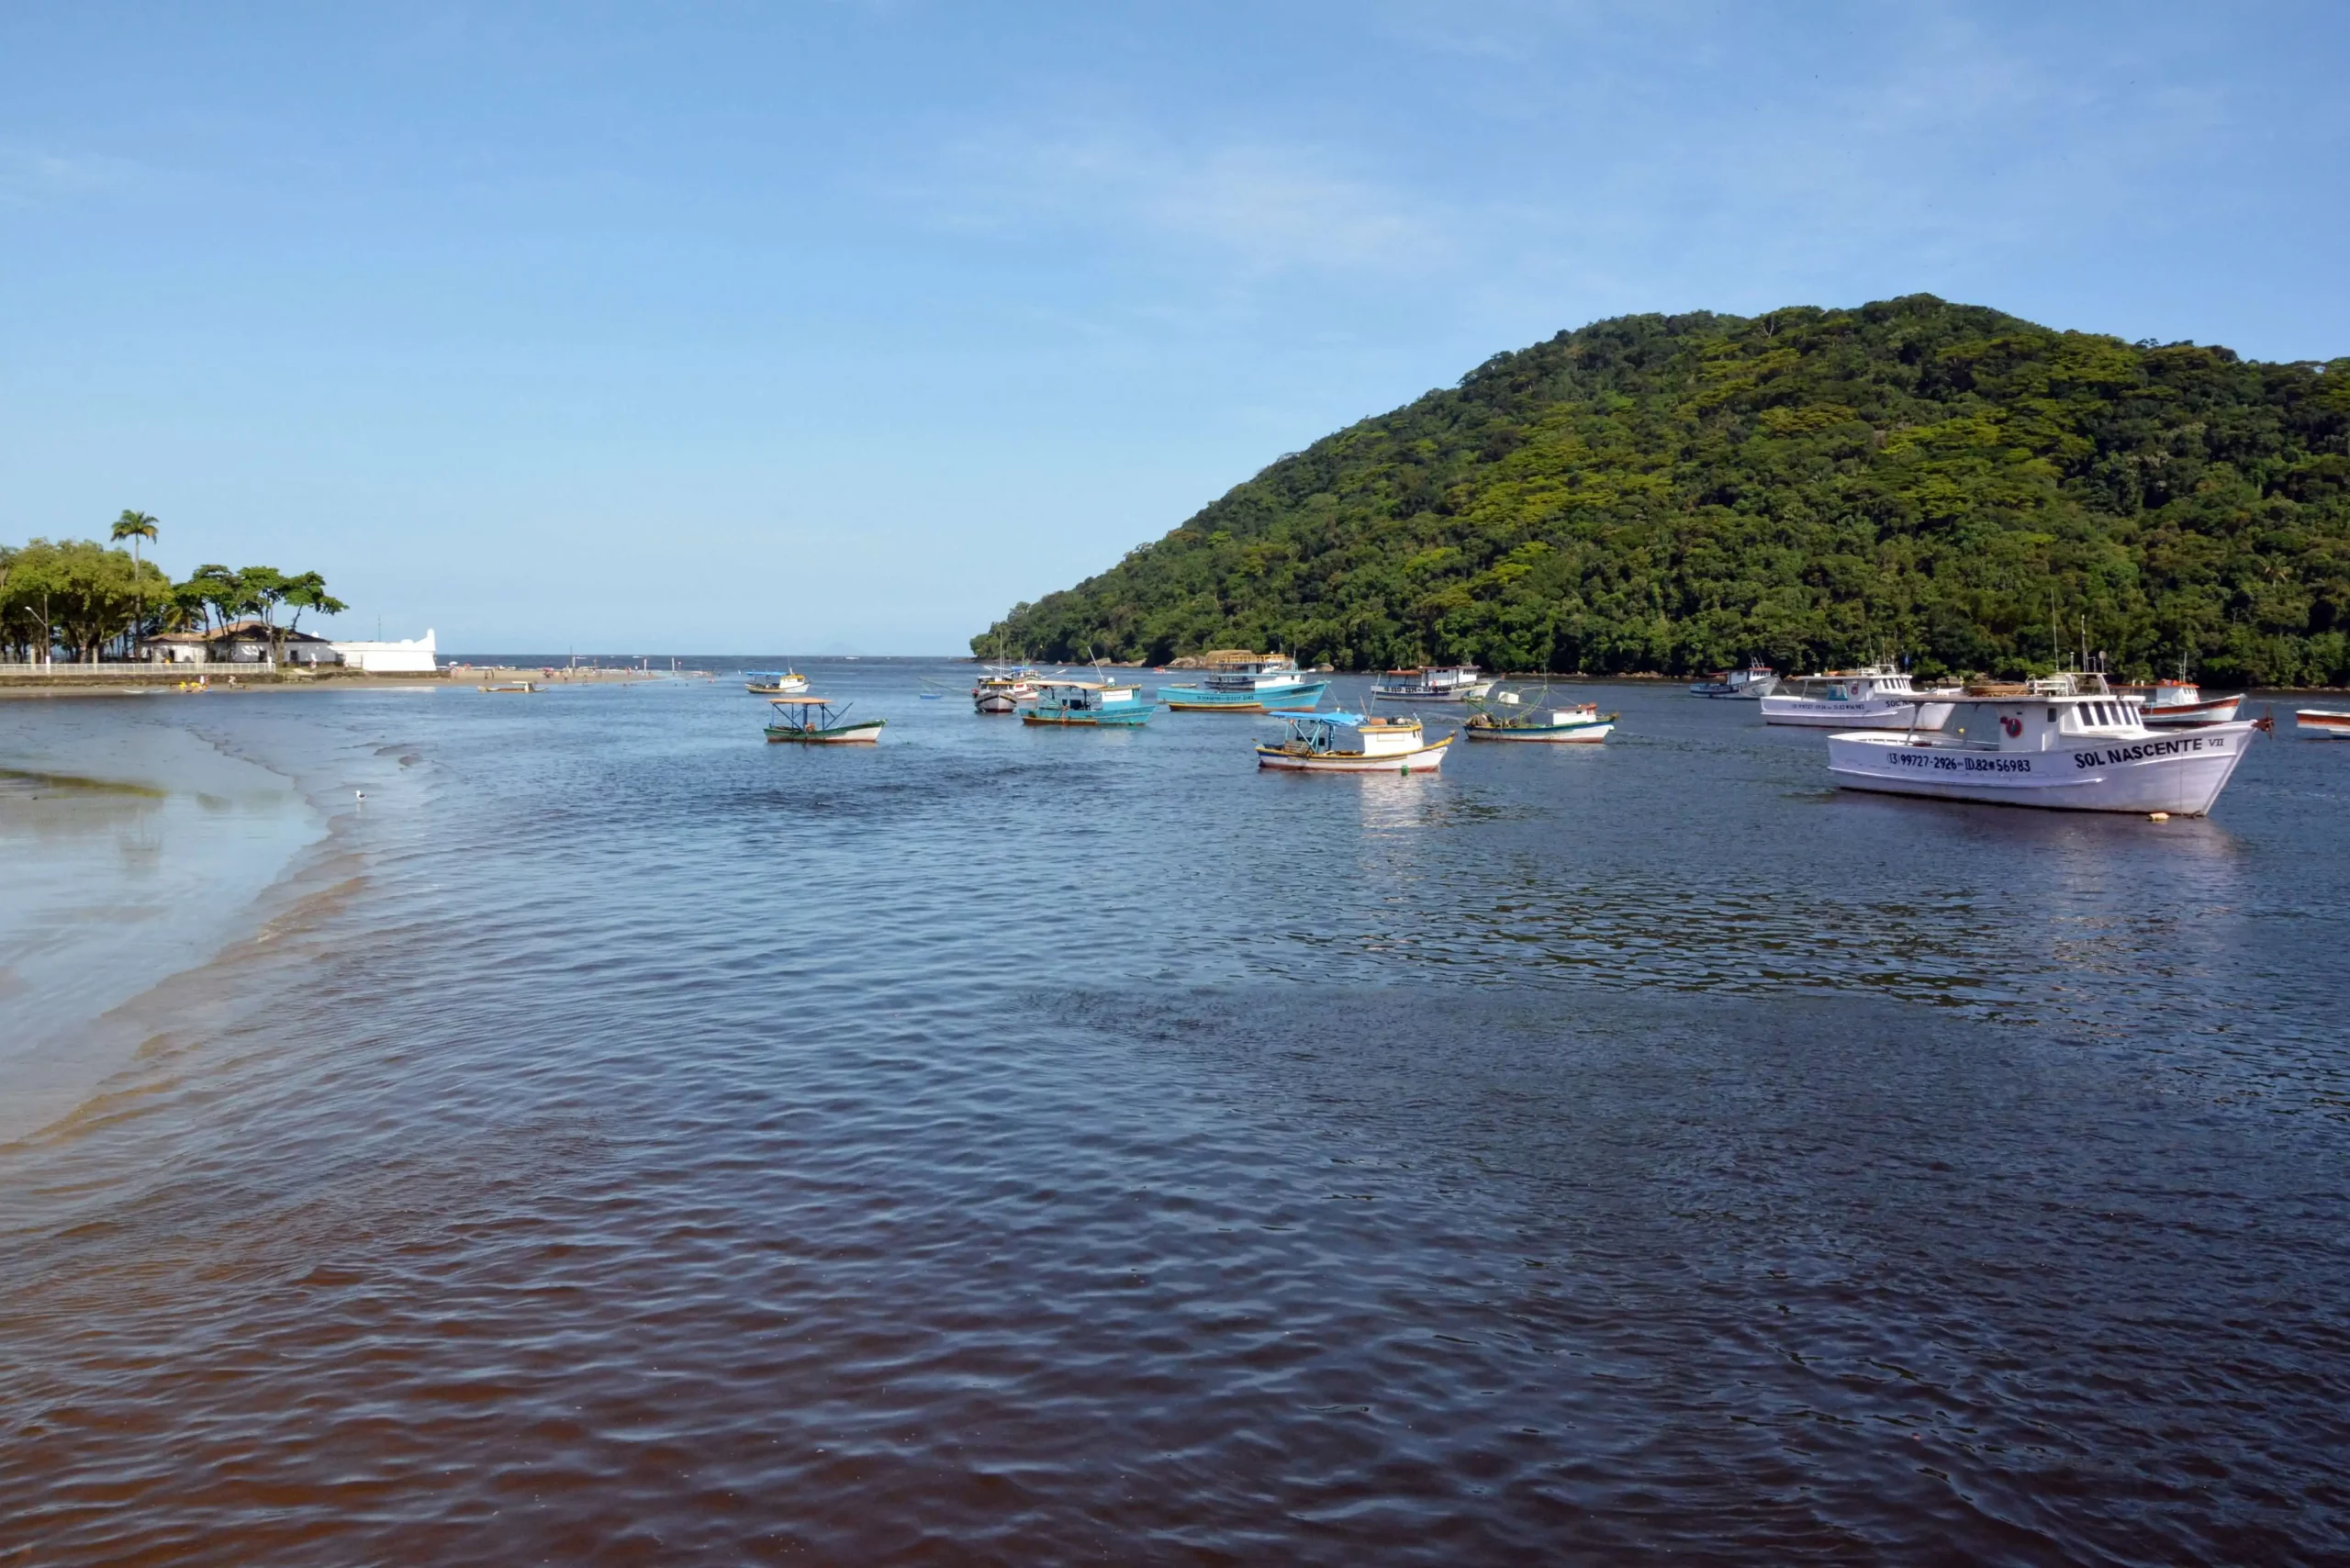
[1353, 743]
[774, 682]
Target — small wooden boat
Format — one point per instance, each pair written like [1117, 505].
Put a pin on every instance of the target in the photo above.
[2327, 722]
[2176, 704]
[524, 686]
[1522, 716]
[1756, 680]
[1351, 743]
[1104, 704]
[815, 721]
[774, 682]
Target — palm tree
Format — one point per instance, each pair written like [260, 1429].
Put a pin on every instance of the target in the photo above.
[135, 526]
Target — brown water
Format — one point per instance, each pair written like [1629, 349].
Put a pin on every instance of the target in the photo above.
[628, 1142]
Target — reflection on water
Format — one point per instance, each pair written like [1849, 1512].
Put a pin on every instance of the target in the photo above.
[637, 1142]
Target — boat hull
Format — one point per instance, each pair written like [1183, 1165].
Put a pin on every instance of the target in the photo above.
[2322, 722]
[1569, 734]
[1745, 691]
[864, 732]
[782, 689]
[1425, 759]
[2182, 715]
[1888, 714]
[2181, 775]
[1287, 700]
[1110, 721]
[995, 702]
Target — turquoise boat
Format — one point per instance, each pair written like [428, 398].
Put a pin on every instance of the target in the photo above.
[1271, 684]
[1097, 704]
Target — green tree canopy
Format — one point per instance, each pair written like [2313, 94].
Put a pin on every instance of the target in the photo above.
[1676, 493]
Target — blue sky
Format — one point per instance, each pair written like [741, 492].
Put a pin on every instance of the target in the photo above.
[780, 327]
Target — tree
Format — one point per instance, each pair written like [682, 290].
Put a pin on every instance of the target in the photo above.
[260, 591]
[308, 592]
[212, 592]
[135, 526]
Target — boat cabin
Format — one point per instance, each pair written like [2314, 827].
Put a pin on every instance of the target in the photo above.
[1345, 733]
[2041, 715]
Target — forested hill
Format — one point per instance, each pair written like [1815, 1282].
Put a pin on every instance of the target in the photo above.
[1676, 493]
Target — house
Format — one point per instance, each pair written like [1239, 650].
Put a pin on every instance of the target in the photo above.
[413, 656]
[239, 643]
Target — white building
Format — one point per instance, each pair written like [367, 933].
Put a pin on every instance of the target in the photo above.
[413, 656]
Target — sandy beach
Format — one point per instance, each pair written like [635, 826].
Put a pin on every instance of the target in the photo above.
[136, 848]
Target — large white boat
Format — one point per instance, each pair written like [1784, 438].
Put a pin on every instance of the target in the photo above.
[1351, 743]
[2067, 742]
[1432, 683]
[1878, 697]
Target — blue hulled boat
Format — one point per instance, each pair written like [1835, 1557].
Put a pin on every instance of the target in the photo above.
[1270, 685]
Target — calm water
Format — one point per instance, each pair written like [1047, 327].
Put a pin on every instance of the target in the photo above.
[628, 1142]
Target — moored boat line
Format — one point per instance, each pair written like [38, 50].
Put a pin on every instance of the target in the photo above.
[1875, 697]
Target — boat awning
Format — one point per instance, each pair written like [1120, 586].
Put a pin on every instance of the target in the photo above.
[799, 703]
[1349, 720]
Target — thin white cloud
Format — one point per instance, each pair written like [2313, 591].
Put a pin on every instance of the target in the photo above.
[35, 174]
[1262, 207]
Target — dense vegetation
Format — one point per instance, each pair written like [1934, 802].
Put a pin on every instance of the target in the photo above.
[1677, 493]
[80, 599]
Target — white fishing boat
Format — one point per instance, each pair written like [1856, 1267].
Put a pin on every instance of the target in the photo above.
[2324, 722]
[1512, 714]
[1757, 679]
[1004, 688]
[2068, 743]
[1431, 683]
[818, 721]
[1352, 742]
[774, 682]
[1878, 697]
[2174, 703]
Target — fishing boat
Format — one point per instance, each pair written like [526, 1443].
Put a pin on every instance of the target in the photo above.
[1431, 683]
[774, 682]
[1104, 704]
[1875, 697]
[2176, 704]
[2324, 722]
[1352, 743]
[1004, 688]
[1515, 715]
[818, 721]
[1248, 684]
[519, 687]
[2068, 741]
[1756, 680]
